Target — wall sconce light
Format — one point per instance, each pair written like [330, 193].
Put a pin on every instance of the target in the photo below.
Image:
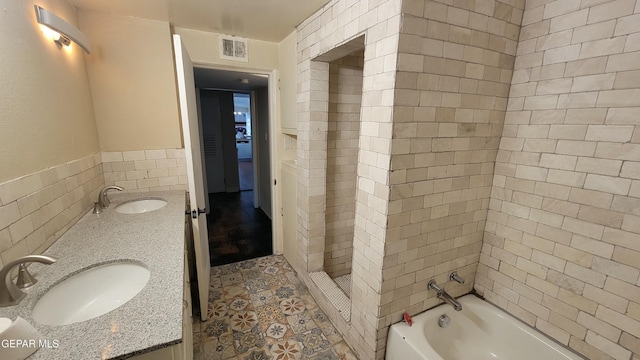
[65, 32]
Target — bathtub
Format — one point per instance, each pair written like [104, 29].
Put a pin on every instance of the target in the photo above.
[480, 331]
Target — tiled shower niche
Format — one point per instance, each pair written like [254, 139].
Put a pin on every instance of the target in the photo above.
[345, 98]
[342, 79]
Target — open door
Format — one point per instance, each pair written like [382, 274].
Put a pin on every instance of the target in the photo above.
[193, 153]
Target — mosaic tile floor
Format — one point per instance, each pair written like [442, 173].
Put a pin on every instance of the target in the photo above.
[259, 310]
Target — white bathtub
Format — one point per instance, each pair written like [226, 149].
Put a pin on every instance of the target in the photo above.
[480, 331]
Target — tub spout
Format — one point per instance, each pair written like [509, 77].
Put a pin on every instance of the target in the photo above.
[450, 300]
[444, 296]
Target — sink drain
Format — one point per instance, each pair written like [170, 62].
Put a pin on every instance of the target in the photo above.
[444, 321]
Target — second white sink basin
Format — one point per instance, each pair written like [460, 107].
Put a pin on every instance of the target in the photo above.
[140, 206]
[91, 293]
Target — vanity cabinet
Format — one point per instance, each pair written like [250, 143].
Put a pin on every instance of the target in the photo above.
[187, 318]
[174, 352]
[184, 350]
[157, 323]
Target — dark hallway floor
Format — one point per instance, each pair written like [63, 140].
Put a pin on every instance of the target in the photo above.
[237, 231]
[245, 172]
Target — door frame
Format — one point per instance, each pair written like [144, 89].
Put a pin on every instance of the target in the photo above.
[254, 147]
[273, 91]
[187, 99]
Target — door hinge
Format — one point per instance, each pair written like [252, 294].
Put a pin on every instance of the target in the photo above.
[275, 182]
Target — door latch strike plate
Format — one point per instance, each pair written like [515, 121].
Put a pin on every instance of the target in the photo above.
[195, 213]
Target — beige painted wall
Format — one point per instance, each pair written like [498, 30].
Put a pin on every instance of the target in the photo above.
[48, 137]
[203, 49]
[288, 86]
[47, 116]
[286, 108]
[132, 81]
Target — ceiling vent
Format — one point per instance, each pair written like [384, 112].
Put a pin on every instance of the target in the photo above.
[234, 48]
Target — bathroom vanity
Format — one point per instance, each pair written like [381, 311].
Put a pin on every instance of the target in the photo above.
[155, 323]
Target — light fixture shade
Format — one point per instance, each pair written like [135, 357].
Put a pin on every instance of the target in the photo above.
[56, 23]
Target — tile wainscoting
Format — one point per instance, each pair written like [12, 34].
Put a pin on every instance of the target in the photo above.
[36, 209]
[146, 170]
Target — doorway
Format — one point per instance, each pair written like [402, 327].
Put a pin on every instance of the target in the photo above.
[242, 114]
[234, 114]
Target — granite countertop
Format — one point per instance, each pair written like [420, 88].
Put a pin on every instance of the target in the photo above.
[149, 321]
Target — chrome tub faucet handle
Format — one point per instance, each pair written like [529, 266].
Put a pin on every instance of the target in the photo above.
[455, 277]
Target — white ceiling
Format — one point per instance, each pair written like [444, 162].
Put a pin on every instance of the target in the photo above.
[269, 20]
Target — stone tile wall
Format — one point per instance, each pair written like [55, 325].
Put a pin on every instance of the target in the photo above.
[35, 210]
[562, 243]
[146, 170]
[331, 33]
[345, 98]
[552, 224]
[455, 62]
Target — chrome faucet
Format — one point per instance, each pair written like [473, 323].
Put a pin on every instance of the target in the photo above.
[443, 295]
[10, 294]
[455, 277]
[103, 199]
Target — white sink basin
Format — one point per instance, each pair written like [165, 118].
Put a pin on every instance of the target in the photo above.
[140, 206]
[91, 293]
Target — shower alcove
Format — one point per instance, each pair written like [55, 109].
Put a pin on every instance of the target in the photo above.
[344, 80]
